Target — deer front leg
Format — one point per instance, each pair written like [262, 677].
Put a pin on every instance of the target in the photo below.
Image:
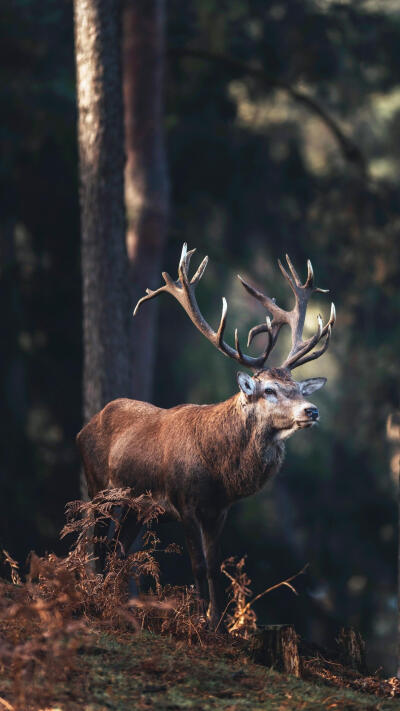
[211, 530]
[199, 569]
[104, 537]
[99, 548]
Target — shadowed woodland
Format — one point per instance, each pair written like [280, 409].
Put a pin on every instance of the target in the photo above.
[281, 123]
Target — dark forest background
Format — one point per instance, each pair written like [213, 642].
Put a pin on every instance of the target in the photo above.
[254, 171]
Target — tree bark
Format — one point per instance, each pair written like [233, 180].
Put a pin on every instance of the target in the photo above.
[146, 184]
[276, 646]
[352, 649]
[106, 302]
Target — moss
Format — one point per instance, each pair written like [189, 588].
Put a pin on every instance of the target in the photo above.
[144, 671]
[133, 672]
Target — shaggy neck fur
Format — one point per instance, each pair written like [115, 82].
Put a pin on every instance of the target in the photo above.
[238, 447]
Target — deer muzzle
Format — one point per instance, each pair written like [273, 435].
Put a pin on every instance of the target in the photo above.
[307, 417]
[312, 413]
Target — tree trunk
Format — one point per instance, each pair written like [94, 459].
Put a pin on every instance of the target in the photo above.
[146, 185]
[276, 646]
[352, 649]
[106, 302]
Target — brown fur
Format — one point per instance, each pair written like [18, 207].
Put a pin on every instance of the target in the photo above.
[195, 459]
[275, 373]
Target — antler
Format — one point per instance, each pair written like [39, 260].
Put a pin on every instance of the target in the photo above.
[183, 291]
[300, 352]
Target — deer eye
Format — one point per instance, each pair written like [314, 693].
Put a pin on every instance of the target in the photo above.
[270, 391]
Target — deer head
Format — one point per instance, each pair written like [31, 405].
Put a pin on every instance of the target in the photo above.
[278, 403]
[272, 392]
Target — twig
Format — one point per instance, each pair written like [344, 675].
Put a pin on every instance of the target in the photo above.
[350, 151]
[274, 587]
[230, 602]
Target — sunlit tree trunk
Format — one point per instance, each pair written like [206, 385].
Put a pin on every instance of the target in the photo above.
[106, 300]
[146, 186]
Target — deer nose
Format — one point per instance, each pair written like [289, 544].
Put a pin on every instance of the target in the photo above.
[312, 413]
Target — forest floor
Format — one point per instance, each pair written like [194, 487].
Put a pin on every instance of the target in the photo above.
[72, 640]
[127, 671]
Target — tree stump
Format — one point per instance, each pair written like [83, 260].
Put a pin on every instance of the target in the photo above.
[276, 646]
[352, 649]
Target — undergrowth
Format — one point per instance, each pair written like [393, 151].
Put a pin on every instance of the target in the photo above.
[61, 607]
[46, 616]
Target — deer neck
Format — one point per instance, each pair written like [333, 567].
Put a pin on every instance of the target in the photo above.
[239, 449]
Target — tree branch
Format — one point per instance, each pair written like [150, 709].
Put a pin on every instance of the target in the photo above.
[350, 151]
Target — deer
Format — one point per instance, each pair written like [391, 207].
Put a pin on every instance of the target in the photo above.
[198, 460]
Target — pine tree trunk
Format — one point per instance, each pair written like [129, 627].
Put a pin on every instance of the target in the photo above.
[146, 185]
[106, 302]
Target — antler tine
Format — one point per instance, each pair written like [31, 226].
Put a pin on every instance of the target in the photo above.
[306, 346]
[294, 318]
[261, 328]
[318, 353]
[310, 276]
[269, 303]
[288, 277]
[199, 273]
[332, 320]
[169, 285]
[184, 292]
[264, 328]
[293, 272]
[222, 323]
[272, 337]
[301, 356]
[183, 255]
[186, 255]
[237, 344]
[184, 263]
[310, 280]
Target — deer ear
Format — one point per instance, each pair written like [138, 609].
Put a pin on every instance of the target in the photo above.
[311, 384]
[246, 383]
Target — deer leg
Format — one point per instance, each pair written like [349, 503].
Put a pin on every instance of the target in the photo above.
[130, 528]
[124, 536]
[194, 546]
[131, 542]
[211, 530]
[104, 529]
[99, 547]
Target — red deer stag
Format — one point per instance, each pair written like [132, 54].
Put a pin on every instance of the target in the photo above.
[197, 460]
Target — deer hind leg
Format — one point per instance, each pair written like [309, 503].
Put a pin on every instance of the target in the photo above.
[199, 569]
[211, 530]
